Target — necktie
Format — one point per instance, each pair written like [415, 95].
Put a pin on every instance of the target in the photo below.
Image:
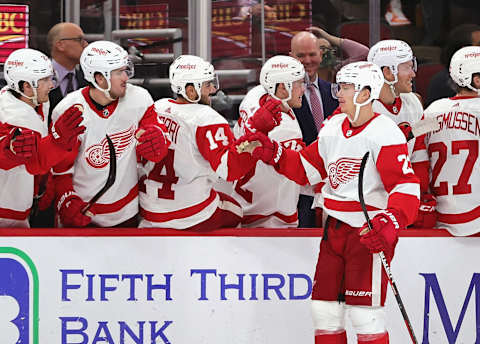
[315, 106]
[69, 88]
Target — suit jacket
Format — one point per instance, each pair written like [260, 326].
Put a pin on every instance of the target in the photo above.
[55, 95]
[305, 117]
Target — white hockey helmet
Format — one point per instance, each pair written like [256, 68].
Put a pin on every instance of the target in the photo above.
[103, 57]
[464, 63]
[390, 53]
[281, 69]
[27, 65]
[190, 69]
[362, 74]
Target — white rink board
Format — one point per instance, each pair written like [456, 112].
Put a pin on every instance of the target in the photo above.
[261, 317]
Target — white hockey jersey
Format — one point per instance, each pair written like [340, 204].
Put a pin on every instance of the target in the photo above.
[454, 164]
[405, 111]
[178, 191]
[90, 169]
[335, 157]
[268, 199]
[17, 183]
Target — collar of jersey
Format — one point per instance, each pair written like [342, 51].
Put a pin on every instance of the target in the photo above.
[349, 131]
[397, 103]
[100, 112]
[463, 97]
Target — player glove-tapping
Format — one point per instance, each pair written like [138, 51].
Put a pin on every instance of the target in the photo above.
[66, 129]
[153, 143]
[267, 117]
[23, 144]
[69, 208]
[427, 215]
[384, 233]
[266, 150]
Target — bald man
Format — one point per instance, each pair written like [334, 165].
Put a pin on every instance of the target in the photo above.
[317, 104]
[66, 42]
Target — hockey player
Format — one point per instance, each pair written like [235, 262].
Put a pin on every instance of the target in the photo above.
[453, 150]
[26, 147]
[122, 111]
[267, 198]
[178, 192]
[403, 106]
[349, 275]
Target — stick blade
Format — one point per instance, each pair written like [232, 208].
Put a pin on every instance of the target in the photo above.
[425, 126]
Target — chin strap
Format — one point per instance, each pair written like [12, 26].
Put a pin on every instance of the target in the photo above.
[358, 106]
[34, 98]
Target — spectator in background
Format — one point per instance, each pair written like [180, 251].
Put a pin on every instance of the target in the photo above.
[394, 14]
[317, 104]
[66, 42]
[441, 85]
[329, 44]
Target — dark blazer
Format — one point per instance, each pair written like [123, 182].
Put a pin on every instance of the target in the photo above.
[55, 95]
[305, 117]
[306, 215]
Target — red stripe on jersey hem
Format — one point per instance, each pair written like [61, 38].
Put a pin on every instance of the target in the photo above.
[178, 214]
[349, 206]
[14, 214]
[460, 218]
[285, 218]
[99, 208]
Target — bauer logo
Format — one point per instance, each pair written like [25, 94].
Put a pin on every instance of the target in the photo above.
[18, 298]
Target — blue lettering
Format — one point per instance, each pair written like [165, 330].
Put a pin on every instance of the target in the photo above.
[65, 285]
[431, 283]
[103, 285]
[132, 279]
[90, 287]
[306, 278]
[203, 280]
[68, 331]
[154, 334]
[276, 288]
[253, 277]
[151, 286]
[102, 325]
[224, 286]
[125, 328]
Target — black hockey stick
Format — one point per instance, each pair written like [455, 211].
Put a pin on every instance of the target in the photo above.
[386, 266]
[112, 174]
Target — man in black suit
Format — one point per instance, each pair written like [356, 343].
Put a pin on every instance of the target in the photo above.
[317, 104]
[66, 42]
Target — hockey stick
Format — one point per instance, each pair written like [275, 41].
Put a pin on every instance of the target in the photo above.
[386, 266]
[112, 174]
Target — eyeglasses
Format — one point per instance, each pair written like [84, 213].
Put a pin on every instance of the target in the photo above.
[77, 39]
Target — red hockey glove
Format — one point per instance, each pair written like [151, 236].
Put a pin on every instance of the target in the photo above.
[427, 215]
[69, 207]
[66, 129]
[24, 144]
[406, 130]
[266, 117]
[384, 233]
[153, 143]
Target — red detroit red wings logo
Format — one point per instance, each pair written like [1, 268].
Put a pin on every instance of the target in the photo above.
[98, 155]
[343, 171]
